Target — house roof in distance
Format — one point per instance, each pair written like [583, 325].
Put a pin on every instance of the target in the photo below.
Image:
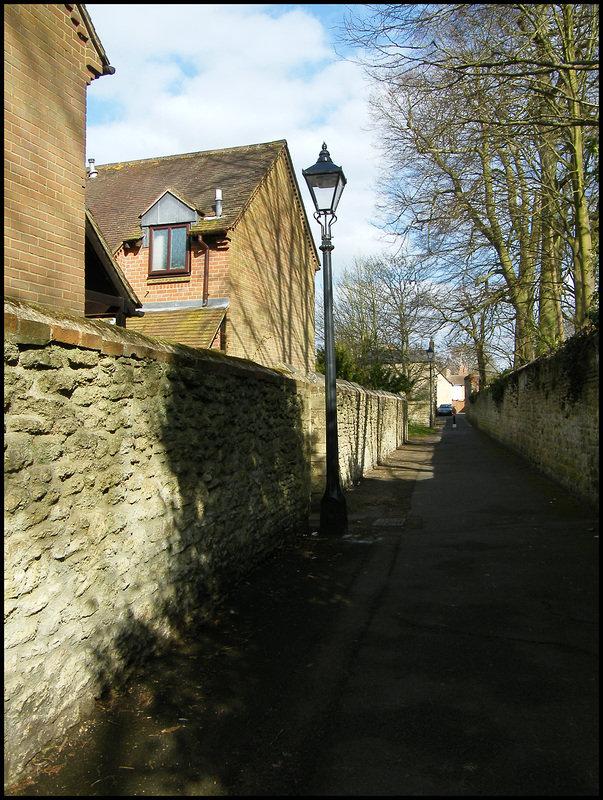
[121, 192]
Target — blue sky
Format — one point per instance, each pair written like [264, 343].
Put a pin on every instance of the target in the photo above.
[199, 77]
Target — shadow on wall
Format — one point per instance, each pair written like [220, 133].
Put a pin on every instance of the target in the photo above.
[376, 424]
[272, 310]
[232, 450]
[205, 717]
[357, 466]
[145, 480]
[231, 458]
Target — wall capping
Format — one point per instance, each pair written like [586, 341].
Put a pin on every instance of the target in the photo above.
[33, 323]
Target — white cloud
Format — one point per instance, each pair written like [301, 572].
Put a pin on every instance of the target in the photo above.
[198, 77]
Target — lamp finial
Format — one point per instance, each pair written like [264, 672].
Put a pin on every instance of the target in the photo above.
[324, 154]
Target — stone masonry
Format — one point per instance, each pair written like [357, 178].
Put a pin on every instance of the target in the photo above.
[142, 479]
[548, 412]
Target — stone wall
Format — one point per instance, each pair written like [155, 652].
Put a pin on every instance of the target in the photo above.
[142, 479]
[418, 412]
[370, 425]
[548, 412]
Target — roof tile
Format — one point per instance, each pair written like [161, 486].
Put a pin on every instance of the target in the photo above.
[193, 327]
[121, 192]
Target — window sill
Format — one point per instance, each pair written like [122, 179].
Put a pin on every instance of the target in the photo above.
[183, 279]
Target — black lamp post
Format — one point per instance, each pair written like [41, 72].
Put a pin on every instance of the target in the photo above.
[326, 182]
[430, 352]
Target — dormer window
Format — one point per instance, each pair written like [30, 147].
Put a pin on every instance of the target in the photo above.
[165, 226]
[169, 253]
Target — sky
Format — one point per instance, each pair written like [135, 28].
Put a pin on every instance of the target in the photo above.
[202, 77]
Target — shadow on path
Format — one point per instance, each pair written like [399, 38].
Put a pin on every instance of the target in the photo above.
[445, 646]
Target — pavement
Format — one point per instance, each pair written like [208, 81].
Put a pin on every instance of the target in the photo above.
[446, 645]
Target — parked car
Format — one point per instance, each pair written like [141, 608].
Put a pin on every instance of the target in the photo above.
[445, 409]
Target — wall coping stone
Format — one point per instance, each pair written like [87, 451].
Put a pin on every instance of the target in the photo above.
[36, 324]
[317, 380]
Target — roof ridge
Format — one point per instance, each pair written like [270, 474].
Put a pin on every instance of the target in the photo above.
[155, 159]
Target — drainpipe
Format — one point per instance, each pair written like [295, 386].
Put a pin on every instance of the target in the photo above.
[205, 268]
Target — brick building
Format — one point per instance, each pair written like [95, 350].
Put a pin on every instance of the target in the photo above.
[51, 54]
[217, 246]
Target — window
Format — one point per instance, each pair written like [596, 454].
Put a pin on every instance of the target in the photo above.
[168, 250]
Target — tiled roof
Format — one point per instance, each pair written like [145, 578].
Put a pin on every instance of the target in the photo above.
[194, 327]
[121, 192]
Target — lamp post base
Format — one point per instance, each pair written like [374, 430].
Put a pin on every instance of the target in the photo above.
[333, 513]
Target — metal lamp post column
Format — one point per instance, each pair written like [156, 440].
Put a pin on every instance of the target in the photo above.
[333, 509]
[326, 183]
[430, 353]
[431, 394]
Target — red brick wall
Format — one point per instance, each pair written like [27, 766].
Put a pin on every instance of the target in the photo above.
[219, 277]
[135, 264]
[45, 80]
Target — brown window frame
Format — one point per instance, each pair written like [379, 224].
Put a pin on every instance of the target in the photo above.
[169, 272]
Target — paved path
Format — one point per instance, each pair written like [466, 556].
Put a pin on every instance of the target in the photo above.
[446, 646]
[477, 674]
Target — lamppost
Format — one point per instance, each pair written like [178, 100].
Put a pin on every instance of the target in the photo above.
[326, 182]
[429, 352]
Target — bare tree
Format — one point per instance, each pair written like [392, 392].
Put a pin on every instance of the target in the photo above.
[408, 303]
[383, 309]
[359, 316]
[487, 118]
[478, 323]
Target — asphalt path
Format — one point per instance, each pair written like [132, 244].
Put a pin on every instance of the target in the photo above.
[446, 645]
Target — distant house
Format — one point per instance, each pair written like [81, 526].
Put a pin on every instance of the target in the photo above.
[52, 251]
[451, 389]
[217, 244]
[446, 386]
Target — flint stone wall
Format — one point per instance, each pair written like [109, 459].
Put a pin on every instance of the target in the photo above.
[142, 480]
[548, 412]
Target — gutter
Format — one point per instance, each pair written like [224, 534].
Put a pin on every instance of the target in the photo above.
[108, 69]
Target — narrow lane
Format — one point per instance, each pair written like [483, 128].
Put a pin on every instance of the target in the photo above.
[479, 672]
[447, 645]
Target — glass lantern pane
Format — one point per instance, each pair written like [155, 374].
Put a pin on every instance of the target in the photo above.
[338, 192]
[324, 198]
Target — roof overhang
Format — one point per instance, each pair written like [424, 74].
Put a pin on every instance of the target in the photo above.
[108, 69]
[124, 297]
